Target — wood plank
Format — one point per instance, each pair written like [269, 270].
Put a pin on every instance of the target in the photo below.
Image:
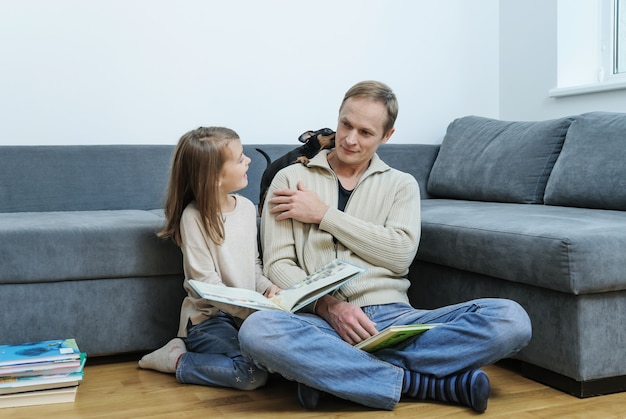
[122, 390]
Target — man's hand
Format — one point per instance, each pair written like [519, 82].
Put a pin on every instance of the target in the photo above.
[302, 204]
[348, 320]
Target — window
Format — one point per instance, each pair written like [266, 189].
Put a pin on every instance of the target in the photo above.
[613, 40]
[591, 46]
[620, 37]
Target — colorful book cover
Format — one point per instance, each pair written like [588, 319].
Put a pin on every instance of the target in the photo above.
[393, 335]
[44, 368]
[9, 385]
[50, 350]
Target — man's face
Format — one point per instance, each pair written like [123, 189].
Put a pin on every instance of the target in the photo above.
[360, 130]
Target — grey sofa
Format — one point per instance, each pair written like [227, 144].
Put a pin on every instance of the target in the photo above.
[535, 212]
[532, 211]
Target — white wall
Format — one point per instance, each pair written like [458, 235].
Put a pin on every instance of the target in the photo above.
[146, 71]
[528, 66]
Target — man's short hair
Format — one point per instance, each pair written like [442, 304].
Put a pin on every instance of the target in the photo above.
[377, 91]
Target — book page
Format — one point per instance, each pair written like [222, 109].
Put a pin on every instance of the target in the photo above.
[236, 296]
[330, 277]
[321, 282]
[37, 397]
[10, 385]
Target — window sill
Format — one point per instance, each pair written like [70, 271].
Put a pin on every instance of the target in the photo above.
[588, 88]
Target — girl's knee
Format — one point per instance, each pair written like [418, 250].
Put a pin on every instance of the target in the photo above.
[255, 378]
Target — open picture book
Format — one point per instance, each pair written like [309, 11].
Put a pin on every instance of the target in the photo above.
[392, 336]
[319, 283]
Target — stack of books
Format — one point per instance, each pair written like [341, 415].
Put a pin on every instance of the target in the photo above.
[40, 372]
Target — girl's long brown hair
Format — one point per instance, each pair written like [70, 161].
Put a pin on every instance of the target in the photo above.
[196, 167]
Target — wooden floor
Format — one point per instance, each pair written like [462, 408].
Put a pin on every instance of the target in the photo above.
[119, 389]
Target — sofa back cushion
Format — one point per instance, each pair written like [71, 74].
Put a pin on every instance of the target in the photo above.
[591, 169]
[486, 159]
[416, 159]
[83, 177]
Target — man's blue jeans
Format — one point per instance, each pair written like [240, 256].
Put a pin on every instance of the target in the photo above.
[215, 359]
[306, 349]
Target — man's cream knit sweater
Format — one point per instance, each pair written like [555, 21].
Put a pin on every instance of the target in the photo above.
[379, 230]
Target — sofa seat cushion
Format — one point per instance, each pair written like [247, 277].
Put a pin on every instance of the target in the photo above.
[486, 159]
[574, 250]
[53, 246]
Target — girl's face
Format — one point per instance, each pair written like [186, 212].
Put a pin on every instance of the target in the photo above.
[233, 176]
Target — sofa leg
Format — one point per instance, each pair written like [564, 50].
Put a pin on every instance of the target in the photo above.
[580, 389]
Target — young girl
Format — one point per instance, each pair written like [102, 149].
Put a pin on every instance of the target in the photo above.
[216, 231]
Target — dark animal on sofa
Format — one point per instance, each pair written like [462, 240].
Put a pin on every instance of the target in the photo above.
[314, 142]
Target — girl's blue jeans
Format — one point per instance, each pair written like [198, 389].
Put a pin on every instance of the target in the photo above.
[306, 349]
[213, 357]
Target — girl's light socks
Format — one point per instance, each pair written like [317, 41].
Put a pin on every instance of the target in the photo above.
[164, 359]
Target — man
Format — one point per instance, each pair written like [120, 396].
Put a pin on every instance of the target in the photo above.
[348, 204]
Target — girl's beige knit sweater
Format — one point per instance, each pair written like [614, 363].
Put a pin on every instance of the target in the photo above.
[234, 263]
